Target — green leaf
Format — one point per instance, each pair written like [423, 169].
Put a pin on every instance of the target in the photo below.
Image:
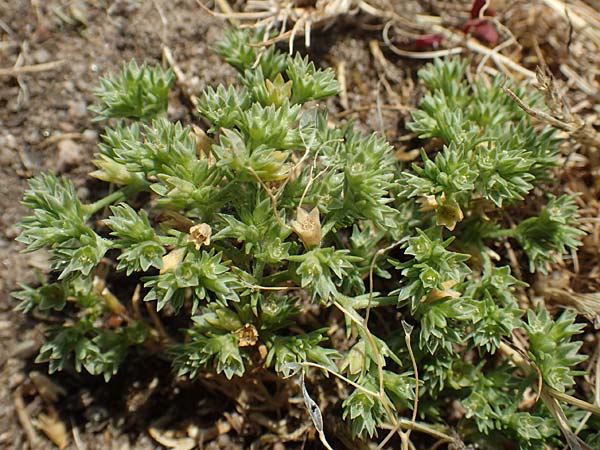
[551, 348]
[431, 273]
[235, 48]
[58, 216]
[138, 93]
[284, 351]
[309, 83]
[47, 297]
[365, 412]
[219, 352]
[223, 107]
[317, 268]
[263, 161]
[137, 239]
[99, 352]
[552, 232]
[201, 272]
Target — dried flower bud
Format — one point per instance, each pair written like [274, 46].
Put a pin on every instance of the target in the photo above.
[203, 145]
[200, 235]
[446, 292]
[428, 203]
[247, 335]
[172, 259]
[263, 351]
[308, 227]
[449, 214]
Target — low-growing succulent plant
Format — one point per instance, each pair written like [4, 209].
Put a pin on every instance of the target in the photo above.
[237, 231]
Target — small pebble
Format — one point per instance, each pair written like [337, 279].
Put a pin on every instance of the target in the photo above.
[41, 56]
[68, 86]
[69, 155]
[8, 140]
[82, 193]
[33, 136]
[66, 127]
[77, 109]
[12, 231]
[90, 135]
[25, 350]
[7, 157]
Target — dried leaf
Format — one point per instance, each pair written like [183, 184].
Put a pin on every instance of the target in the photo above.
[185, 443]
[48, 389]
[54, 429]
[315, 413]
[172, 259]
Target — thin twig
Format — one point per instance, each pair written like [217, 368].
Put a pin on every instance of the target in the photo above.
[496, 49]
[421, 428]
[228, 10]
[60, 137]
[385, 402]
[417, 55]
[181, 78]
[164, 336]
[34, 68]
[25, 420]
[541, 115]
[379, 252]
[76, 437]
[582, 404]
[235, 15]
[267, 288]
[272, 197]
[407, 333]
[163, 20]
[475, 46]
[135, 303]
[341, 377]
[341, 75]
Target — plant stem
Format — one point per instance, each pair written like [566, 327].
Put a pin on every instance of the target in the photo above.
[573, 401]
[408, 424]
[375, 302]
[116, 196]
[504, 233]
[277, 278]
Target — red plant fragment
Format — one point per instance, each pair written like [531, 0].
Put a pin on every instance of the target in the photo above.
[427, 41]
[476, 9]
[482, 29]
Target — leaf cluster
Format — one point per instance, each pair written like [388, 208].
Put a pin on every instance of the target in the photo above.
[239, 232]
[138, 93]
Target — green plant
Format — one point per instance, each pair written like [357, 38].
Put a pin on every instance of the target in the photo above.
[237, 230]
